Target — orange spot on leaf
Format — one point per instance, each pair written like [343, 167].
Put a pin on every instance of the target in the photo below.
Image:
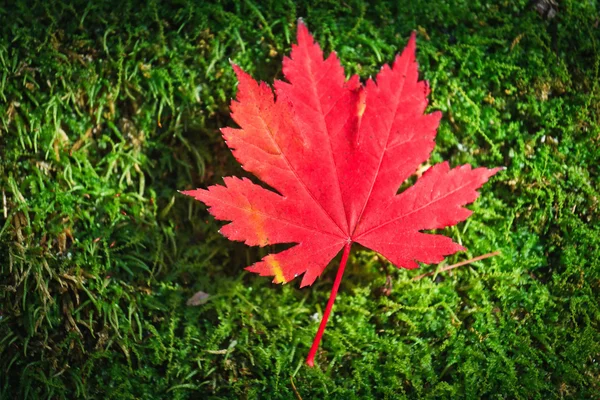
[362, 103]
[259, 226]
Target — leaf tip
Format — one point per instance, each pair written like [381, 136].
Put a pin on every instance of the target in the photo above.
[458, 247]
[409, 52]
[413, 37]
[235, 67]
[494, 171]
[306, 281]
[303, 36]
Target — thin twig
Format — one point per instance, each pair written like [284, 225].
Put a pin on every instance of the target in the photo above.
[294, 388]
[460, 264]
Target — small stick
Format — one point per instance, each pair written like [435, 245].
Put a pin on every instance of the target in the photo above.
[294, 387]
[4, 204]
[460, 264]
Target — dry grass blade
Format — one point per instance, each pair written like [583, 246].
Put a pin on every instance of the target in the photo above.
[294, 388]
[460, 264]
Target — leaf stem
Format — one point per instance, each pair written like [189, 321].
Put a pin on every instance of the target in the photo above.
[310, 360]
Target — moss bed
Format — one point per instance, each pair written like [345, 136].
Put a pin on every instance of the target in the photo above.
[108, 108]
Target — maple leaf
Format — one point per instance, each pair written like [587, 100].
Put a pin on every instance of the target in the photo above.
[337, 152]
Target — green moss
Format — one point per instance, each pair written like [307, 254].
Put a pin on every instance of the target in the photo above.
[107, 108]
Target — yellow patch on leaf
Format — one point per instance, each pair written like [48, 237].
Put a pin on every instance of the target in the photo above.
[276, 270]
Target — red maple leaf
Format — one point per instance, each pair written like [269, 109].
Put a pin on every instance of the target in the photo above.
[337, 152]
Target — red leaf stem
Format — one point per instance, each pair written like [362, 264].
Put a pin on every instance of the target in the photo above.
[310, 360]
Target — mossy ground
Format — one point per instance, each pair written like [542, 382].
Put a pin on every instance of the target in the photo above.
[107, 108]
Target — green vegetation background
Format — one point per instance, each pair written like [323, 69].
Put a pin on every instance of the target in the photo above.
[107, 108]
